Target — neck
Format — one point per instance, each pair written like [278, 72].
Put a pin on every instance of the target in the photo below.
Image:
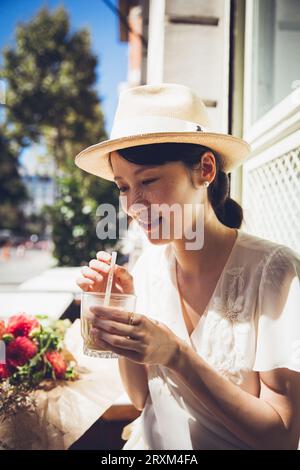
[218, 239]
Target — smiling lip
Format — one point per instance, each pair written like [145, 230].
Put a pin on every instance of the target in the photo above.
[149, 227]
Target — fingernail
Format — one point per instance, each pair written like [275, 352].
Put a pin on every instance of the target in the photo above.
[90, 316]
[94, 310]
[94, 331]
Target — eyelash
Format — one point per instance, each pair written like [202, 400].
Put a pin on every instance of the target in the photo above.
[122, 190]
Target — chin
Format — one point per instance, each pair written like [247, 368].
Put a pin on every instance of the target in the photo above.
[159, 235]
[158, 241]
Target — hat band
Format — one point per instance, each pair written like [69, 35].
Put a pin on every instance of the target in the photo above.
[151, 124]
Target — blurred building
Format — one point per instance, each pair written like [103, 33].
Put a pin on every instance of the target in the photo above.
[243, 59]
[41, 190]
[37, 172]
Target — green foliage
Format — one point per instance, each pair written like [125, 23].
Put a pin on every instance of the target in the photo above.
[52, 100]
[12, 190]
[74, 222]
[49, 336]
[51, 75]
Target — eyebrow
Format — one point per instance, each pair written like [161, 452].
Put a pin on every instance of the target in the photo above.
[136, 172]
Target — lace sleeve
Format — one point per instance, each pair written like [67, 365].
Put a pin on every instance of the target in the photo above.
[278, 324]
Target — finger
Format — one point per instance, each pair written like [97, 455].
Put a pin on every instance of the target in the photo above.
[100, 343]
[97, 343]
[103, 256]
[118, 341]
[123, 276]
[84, 283]
[99, 266]
[114, 314]
[116, 328]
[91, 274]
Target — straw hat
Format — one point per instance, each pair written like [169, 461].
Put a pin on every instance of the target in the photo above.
[167, 112]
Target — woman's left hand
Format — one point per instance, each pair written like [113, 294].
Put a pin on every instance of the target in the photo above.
[150, 342]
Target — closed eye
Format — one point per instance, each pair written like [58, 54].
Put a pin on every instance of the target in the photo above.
[149, 181]
[123, 190]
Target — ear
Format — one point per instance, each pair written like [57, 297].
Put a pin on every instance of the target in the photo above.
[206, 169]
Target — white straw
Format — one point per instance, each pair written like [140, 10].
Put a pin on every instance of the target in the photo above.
[110, 278]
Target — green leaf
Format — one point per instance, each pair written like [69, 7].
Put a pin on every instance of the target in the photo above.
[7, 338]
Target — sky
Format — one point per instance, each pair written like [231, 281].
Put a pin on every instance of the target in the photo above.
[104, 27]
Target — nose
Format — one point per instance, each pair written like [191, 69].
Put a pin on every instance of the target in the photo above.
[140, 211]
[136, 206]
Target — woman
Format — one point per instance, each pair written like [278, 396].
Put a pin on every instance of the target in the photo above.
[212, 354]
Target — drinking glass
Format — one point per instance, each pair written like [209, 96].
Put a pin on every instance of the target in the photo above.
[125, 302]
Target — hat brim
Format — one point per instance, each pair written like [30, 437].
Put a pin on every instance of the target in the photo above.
[94, 159]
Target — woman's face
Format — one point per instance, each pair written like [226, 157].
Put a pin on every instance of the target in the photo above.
[157, 196]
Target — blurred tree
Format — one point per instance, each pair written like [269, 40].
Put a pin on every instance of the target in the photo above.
[51, 99]
[74, 222]
[12, 190]
[50, 75]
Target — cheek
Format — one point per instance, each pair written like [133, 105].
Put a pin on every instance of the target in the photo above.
[171, 197]
[170, 193]
[134, 202]
[123, 203]
[158, 195]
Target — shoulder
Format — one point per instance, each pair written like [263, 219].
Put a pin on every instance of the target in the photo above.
[282, 265]
[278, 314]
[250, 244]
[268, 257]
[279, 288]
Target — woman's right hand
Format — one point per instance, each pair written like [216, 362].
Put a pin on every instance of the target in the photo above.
[94, 276]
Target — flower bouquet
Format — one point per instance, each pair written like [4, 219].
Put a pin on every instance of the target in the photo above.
[50, 392]
[34, 357]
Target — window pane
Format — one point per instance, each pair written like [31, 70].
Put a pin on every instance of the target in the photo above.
[276, 52]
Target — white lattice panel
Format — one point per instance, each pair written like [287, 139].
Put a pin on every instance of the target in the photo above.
[272, 199]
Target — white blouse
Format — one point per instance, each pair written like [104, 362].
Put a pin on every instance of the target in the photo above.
[250, 324]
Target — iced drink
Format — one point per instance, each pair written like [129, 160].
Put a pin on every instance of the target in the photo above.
[125, 302]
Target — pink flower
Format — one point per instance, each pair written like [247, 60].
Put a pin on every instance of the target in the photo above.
[20, 350]
[57, 362]
[4, 371]
[2, 328]
[21, 325]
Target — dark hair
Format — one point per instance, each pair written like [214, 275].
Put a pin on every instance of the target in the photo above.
[228, 211]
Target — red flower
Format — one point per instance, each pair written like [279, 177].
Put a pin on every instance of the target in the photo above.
[57, 362]
[4, 371]
[20, 350]
[21, 325]
[2, 328]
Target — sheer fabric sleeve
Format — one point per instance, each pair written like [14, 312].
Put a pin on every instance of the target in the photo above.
[278, 321]
[142, 272]
[139, 273]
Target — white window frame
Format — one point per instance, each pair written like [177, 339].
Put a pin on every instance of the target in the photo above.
[282, 119]
[277, 150]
